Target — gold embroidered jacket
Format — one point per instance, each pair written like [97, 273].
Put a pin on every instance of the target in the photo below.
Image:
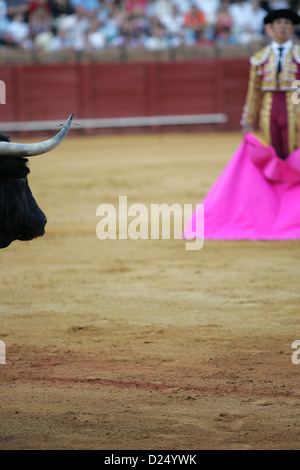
[263, 81]
[263, 78]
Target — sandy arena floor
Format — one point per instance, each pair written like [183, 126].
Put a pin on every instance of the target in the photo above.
[130, 345]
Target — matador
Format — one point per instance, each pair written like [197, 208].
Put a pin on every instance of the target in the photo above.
[274, 72]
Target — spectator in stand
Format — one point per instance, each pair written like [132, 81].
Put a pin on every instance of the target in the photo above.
[111, 17]
[157, 40]
[195, 25]
[239, 11]
[173, 23]
[88, 8]
[136, 7]
[184, 6]
[17, 32]
[60, 41]
[249, 22]
[159, 8]
[255, 23]
[3, 8]
[4, 21]
[35, 5]
[135, 23]
[209, 8]
[223, 25]
[39, 17]
[94, 39]
[277, 5]
[131, 31]
[61, 8]
[73, 29]
[105, 10]
[17, 7]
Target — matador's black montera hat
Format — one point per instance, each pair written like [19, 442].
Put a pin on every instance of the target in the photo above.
[282, 13]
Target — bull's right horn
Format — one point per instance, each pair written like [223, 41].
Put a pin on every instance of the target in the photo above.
[14, 150]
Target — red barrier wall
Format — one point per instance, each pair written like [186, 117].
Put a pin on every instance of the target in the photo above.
[107, 90]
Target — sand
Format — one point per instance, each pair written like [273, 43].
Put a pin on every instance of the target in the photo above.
[142, 344]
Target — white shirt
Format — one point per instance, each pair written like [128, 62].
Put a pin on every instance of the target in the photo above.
[286, 48]
[240, 14]
[255, 21]
[208, 8]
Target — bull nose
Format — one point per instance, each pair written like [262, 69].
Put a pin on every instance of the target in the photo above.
[45, 220]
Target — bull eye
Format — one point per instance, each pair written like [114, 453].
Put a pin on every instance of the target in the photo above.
[13, 168]
[4, 138]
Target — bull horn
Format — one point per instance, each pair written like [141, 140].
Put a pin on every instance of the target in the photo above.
[14, 150]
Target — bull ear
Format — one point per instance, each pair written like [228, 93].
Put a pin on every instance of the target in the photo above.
[14, 150]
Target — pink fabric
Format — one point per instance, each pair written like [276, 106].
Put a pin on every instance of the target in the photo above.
[257, 197]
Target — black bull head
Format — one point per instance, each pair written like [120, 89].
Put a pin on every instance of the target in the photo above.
[20, 216]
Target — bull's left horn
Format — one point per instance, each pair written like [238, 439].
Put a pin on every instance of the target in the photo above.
[14, 150]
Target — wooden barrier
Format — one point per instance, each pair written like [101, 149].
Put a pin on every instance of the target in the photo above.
[109, 91]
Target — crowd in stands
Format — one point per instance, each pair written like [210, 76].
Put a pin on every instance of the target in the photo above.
[53, 25]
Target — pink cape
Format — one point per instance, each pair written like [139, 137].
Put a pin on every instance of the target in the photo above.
[257, 197]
